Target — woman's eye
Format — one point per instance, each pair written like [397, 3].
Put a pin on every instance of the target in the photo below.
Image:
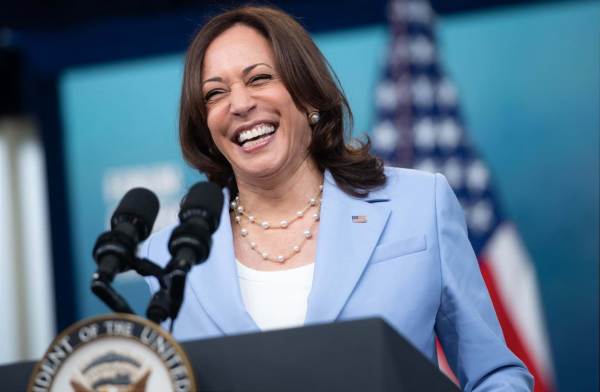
[211, 95]
[258, 79]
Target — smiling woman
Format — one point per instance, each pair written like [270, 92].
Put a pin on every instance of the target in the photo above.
[252, 118]
[316, 229]
[269, 49]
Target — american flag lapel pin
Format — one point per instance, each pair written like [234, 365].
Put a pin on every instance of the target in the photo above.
[359, 219]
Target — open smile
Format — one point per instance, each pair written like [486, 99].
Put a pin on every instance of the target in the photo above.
[255, 135]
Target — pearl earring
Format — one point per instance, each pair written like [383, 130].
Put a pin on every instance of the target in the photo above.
[313, 118]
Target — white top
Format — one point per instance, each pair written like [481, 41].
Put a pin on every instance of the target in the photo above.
[276, 299]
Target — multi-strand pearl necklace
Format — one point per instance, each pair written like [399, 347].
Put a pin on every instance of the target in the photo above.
[240, 213]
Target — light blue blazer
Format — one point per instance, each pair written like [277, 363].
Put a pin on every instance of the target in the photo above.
[410, 263]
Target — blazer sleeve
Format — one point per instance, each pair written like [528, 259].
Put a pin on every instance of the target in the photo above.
[466, 323]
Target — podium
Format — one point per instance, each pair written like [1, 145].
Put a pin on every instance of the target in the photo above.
[361, 355]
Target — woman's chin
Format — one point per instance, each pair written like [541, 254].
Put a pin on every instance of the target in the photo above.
[267, 166]
[258, 172]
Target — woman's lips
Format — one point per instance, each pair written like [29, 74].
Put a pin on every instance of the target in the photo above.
[254, 145]
[256, 132]
[250, 131]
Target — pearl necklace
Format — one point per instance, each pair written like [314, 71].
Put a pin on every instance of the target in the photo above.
[240, 212]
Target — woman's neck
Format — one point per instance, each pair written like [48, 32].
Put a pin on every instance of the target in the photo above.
[276, 198]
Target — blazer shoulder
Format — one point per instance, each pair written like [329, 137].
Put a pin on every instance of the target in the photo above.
[400, 181]
[401, 173]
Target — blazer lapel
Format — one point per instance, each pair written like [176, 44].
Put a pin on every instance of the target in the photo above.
[215, 283]
[349, 230]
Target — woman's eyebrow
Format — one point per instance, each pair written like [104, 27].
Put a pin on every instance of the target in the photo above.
[245, 72]
[249, 68]
[215, 79]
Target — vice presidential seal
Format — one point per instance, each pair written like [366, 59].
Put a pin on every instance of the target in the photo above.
[113, 353]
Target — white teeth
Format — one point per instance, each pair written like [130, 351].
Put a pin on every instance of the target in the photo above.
[259, 130]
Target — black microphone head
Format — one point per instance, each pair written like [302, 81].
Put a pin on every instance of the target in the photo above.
[204, 200]
[139, 207]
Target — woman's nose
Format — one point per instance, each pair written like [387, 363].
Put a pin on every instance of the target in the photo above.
[241, 101]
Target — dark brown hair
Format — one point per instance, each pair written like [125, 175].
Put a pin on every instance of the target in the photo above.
[310, 81]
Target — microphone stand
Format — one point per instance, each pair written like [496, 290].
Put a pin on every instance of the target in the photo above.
[102, 284]
[115, 249]
[189, 243]
[165, 303]
[107, 294]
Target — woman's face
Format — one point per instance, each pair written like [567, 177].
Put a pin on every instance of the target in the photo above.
[251, 116]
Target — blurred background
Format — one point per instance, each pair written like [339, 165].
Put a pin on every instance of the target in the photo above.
[89, 93]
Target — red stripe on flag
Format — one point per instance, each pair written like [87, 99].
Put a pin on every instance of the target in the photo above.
[511, 335]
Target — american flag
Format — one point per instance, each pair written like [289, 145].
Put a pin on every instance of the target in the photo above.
[419, 125]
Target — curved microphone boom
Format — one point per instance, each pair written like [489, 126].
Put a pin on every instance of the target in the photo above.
[189, 244]
[115, 250]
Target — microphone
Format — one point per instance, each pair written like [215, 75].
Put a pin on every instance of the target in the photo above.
[189, 244]
[115, 250]
[199, 215]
